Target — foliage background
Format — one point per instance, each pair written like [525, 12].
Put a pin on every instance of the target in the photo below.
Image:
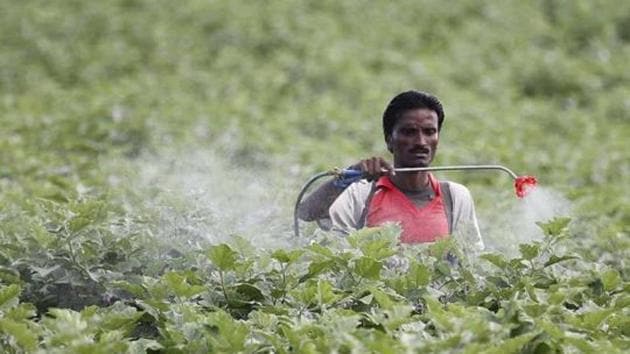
[280, 90]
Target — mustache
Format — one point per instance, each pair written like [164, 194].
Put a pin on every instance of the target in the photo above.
[420, 150]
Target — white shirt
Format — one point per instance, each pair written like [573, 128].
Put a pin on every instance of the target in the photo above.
[345, 212]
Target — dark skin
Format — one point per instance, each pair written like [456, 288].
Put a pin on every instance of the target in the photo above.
[413, 143]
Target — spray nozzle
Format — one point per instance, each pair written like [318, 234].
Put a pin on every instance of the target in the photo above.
[524, 184]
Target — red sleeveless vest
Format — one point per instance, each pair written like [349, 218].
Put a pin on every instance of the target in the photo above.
[389, 204]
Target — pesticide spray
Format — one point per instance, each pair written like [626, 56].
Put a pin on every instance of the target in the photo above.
[509, 223]
[194, 198]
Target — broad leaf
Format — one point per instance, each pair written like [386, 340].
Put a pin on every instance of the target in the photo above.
[24, 336]
[529, 251]
[554, 227]
[611, 279]
[222, 256]
[496, 259]
[368, 268]
[9, 296]
[283, 256]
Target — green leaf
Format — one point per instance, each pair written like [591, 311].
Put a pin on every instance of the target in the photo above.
[592, 320]
[377, 242]
[379, 249]
[496, 259]
[86, 213]
[135, 289]
[531, 291]
[499, 280]
[321, 250]
[242, 245]
[316, 292]
[438, 314]
[249, 292]
[529, 251]
[583, 345]
[23, 311]
[9, 275]
[554, 227]
[9, 296]
[443, 268]
[144, 345]
[611, 279]
[551, 329]
[179, 285]
[396, 316]
[325, 292]
[535, 310]
[418, 275]
[367, 299]
[45, 271]
[441, 248]
[24, 336]
[118, 317]
[622, 301]
[382, 298]
[317, 267]
[283, 256]
[363, 235]
[553, 259]
[512, 345]
[368, 268]
[231, 336]
[222, 256]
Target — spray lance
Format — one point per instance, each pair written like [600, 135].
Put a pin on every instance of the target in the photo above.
[345, 177]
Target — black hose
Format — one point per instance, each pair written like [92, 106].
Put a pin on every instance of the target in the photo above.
[296, 226]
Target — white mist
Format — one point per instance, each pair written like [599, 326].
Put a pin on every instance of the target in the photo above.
[199, 196]
[512, 221]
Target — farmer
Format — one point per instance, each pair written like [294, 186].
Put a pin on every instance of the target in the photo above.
[425, 208]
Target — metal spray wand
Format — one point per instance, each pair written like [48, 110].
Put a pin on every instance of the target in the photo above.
[522, 184]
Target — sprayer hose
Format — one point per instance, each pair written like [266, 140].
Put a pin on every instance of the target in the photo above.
[296, 226]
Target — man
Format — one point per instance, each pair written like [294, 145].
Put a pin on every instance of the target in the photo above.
[425, 208]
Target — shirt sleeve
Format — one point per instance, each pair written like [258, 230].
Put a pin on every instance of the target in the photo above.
[465, 224]
[345, 212]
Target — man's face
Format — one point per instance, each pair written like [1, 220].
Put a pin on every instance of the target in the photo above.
[414, 138]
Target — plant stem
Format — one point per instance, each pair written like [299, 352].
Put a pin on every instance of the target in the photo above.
[227, 300]
[284, 281]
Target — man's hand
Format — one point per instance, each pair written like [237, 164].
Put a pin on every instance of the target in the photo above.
[373, 168]
[316, 205]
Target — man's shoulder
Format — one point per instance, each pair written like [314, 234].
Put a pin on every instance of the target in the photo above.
[345, 212]
[458, 190]
[358, 190]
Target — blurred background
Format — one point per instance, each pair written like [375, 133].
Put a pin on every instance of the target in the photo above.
[238, 103]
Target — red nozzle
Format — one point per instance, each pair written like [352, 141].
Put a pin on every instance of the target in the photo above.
[524, 185]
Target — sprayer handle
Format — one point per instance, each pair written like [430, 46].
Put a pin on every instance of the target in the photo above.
[346, 177]
[350, 173]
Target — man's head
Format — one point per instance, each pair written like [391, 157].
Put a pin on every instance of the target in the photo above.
[406, 101]
[411, 125]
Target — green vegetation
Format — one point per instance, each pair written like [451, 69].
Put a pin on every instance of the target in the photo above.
[90, 90]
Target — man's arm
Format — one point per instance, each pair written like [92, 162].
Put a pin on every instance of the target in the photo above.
[317, 204]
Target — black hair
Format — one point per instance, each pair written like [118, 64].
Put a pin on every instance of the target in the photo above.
[406, 101]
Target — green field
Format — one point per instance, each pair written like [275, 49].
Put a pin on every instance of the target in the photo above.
[150, 153]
